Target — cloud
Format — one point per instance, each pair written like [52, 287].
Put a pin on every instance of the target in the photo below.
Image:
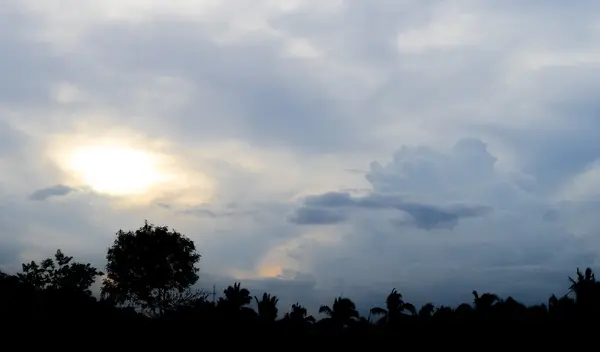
[424, 216]
[315, 216]
[436, 189]
[421, 171]
[54, 191]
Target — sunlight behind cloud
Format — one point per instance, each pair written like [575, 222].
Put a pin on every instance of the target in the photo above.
[132, 168]
[116, 170]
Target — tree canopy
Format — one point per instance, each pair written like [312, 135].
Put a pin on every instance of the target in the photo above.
[151, 267]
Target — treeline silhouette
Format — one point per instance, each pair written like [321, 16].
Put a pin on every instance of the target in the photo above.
[150, 273]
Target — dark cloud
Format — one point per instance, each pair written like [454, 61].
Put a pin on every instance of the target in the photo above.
[315, 216]
[54, 191]
[424, 216]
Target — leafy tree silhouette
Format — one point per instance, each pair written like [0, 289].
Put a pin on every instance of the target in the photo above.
[511, 309]
[444, 313]
[17, 300]
[56, 288]
[152, 268]
[426, 311]
[59, 274]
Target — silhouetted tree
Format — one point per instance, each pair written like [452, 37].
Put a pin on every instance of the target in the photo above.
[56, 288]
[443, 313]
[585, 288]
[267, 307]
[233, 305]
[484, 303]
[299, 315]
[342, 313]
[59, 274]
[395, 308]
[17, 300]
[427, 310]
[152, 268]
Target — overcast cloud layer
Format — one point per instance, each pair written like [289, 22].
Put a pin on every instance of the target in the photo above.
[314, 147]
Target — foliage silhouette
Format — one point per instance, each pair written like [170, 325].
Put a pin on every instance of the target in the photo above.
[151, 268]
[59, 274]
[150, 273]
[267, 307]
[395, 309]
[341, 315]
[299, 316]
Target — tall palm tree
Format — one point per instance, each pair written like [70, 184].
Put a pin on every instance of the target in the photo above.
[395, 308]
[485, 303]
[299, 315]
[267, 307]
[235, 301]
[342, 313]
[585, 288]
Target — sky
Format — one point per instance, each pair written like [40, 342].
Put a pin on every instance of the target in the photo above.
[310, 148]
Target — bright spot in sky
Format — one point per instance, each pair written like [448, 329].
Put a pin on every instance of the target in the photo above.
[116, 170]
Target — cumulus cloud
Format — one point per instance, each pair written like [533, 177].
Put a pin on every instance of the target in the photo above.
[511, 234]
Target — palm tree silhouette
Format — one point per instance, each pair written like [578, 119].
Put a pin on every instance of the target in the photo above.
[342, 313]
[587, 292]
[235, 301]
[485, 303]
[395, 308]
[267, 307]
[584, 286]
[298, 317]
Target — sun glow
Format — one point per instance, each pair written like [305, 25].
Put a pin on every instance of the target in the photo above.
[116, 170]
